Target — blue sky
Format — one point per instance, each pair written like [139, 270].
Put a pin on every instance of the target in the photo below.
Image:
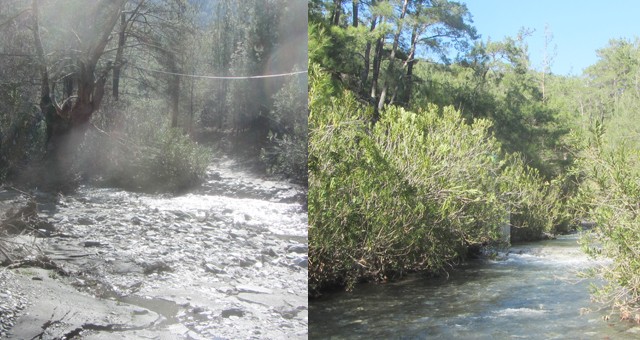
[579, 28]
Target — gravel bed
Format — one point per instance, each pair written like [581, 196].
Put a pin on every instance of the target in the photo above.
[12, 301]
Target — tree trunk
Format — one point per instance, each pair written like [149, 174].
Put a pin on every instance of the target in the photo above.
[337, 8]
[367, 56]
[354, 4]
[118, 62]
[191, 105]
[409, 64]
[392, 57]
[377, 57]
[174, 95]
[409, 82]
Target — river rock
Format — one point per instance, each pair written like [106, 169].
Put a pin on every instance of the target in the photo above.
[85, 221]
[269, 252]
[298, 248]
[217, 243]
[156, 267]
[213, 269]
[253, 289]
[88, 244]
[302, 261]
[232, 312]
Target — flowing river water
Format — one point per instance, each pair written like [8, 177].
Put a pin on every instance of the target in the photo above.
[531, 292]
[226, 261]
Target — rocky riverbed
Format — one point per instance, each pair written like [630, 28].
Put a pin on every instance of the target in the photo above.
[228, 260]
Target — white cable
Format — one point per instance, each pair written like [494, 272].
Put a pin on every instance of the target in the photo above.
[223, 77]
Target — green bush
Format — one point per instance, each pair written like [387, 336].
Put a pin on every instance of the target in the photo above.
[286, 153]
[22, 141]
[537, 206]
[412, 192]
[610, 197]
[143, 154]
[287, 156]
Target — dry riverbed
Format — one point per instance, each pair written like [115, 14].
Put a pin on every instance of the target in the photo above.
[226, 261]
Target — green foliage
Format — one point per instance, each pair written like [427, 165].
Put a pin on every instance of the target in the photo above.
[609, 167]
[537, 206]
[287, 153]
[606, 103]
[144, 154]
[494, 83]
[410, 193]
[613, 193]
[179, 163]
[287, 156]
[22, 140]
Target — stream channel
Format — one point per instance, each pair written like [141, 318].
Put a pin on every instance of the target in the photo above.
[226, 261]
[531, 292]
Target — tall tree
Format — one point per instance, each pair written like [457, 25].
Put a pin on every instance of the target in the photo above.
[84, 85]
[549, 54]
[125, 25]
[392, 57]
[337, 11]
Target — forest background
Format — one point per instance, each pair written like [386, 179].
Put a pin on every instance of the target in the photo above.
[137, 93]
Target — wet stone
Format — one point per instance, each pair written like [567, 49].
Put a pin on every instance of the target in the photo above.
[156, 267]
[301, 261]
[298, 248]
[253, 289]
[88, 244]
[232, 312]
[247, 262]
[85, 221]
[213, 269]
[269, 252]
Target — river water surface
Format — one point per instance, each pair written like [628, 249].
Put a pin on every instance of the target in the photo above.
[532, 292]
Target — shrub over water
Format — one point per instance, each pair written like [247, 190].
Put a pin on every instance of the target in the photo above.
[610, 196]
[411, 192]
